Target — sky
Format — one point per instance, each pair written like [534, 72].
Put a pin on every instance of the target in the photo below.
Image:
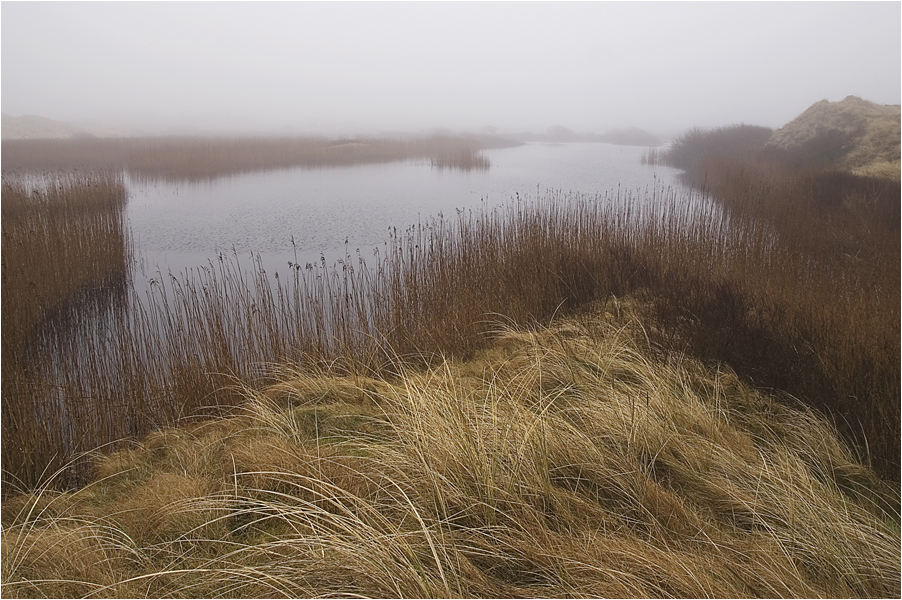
[356, 68]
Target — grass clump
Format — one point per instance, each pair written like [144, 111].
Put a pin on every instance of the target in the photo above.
[575, 459]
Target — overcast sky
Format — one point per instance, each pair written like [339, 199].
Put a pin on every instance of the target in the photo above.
[365, 67]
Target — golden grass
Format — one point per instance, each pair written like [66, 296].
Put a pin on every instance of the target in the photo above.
[576, 459]
[881, 169]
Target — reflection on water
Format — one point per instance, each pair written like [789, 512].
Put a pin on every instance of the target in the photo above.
[181, 225]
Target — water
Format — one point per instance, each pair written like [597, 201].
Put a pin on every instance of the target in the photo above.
[326, 211]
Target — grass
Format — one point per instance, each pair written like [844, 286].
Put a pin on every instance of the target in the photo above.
[570, 460]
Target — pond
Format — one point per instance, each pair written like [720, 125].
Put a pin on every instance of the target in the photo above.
[304, 214]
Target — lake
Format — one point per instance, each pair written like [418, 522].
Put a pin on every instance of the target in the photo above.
[176, 226]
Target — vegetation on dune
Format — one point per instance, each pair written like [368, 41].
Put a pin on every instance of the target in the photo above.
[570, 460]
[855, 135]
[694, 393]
[852, 136]
[31, 127]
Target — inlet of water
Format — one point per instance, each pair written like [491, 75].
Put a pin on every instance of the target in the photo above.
[304, 215]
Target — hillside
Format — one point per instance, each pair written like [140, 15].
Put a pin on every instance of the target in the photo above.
[853, 134]
[570, 461]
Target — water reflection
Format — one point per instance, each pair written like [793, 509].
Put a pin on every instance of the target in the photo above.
[180, 225]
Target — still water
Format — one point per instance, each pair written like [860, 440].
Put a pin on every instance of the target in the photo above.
[326, 211]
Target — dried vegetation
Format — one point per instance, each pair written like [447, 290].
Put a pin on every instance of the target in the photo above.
[381, 434]
[198, 158]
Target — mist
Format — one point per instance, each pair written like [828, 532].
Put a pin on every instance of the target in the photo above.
[373, 67]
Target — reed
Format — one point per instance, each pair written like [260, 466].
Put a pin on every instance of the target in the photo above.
[66, 256]
[654, 156]
[719, 281]
[199, 158]
[825, 324]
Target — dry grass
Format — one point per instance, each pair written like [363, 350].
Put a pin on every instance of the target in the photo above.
[881, 169]
[570, 460]
[808, 310]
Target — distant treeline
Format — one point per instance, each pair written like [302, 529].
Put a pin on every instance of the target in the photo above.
[630, 136]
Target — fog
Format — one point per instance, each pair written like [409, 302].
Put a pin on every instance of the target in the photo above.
[340, 67]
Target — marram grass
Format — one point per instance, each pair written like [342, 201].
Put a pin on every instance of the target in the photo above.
[571, 460]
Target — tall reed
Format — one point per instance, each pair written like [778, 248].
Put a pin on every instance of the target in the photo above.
[717, 282]
[823, 323]
[65, 260]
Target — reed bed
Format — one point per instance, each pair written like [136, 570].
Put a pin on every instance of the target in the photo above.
[62, 234]
[65, 260]
[564, 461]
[828, 324]
[199, 158]
[654, 156]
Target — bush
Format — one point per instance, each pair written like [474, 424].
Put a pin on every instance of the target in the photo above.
[691, 150]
